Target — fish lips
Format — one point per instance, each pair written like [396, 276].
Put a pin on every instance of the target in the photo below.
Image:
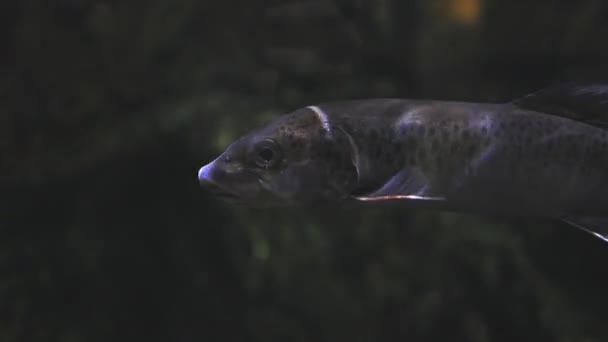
[228, 183]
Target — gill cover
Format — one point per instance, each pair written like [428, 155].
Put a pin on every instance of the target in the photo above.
[327, 169]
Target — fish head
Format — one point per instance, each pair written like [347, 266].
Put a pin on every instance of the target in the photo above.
[296, 159]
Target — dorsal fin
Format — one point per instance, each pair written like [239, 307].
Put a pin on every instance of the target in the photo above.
[582, 102]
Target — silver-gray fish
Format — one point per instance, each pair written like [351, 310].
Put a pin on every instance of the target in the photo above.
[543, 156]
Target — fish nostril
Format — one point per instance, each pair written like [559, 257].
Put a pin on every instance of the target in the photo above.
[227, 159]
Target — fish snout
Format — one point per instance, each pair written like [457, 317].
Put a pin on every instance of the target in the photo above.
[213, 178]
[215, 171]
[205, 174]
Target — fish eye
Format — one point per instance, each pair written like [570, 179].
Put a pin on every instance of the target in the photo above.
[267, 153]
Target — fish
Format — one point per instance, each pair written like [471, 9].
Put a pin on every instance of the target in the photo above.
[544, 155]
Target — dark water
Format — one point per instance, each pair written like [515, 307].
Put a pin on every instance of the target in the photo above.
[108, 109]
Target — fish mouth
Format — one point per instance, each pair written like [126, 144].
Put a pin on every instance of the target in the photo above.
[228, 197]
[242, 185]
[220, 192]
[207, 181]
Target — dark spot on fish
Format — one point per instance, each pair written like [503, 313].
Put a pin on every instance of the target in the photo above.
[502, 127]
[444, 135]
[544, 129]
[434, 146]
[513, 138]
[454, 147]
[466, 134]
[398, 148]
[471, 149]
[432, 131]
[486, 142]
[420, 155]
[421, 130]
[408, 145]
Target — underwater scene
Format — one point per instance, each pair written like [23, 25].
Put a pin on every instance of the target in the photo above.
[321, 170]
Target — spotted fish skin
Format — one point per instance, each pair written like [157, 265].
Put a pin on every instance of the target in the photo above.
[480, 157]
[537, 156]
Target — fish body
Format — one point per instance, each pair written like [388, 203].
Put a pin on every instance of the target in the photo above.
[524, 158]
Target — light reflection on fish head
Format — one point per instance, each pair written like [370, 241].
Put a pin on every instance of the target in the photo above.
[292, 160]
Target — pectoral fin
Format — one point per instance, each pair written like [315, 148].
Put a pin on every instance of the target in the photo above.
[593, 225]
[407, 184]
